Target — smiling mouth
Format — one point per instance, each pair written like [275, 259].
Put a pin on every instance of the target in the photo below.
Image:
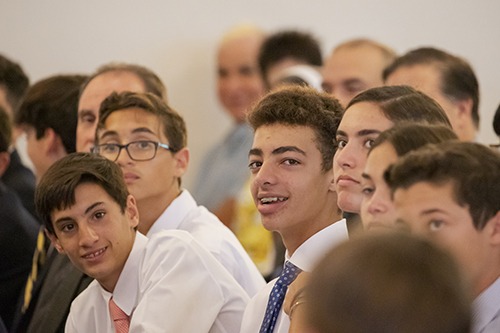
[94, 254]
[267, 201]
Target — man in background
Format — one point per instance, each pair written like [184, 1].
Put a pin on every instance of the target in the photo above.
[223, 171]
[355, 66]
[447, 79]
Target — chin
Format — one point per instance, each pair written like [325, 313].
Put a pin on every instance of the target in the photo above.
[347, 202]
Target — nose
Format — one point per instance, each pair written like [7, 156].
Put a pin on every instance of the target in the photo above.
[87, 235]
[266, 175]
[123, 157]
[377, 204]
[346, 157]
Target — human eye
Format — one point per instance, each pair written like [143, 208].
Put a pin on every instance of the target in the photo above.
[246, 71]
[254, 165]
[368, 143]
[291, 161]
[87, 118]
[223, 73]
[143, 145]
[435, 224]
[341, 143]
[67, 227]
[108, 148]
[368, 191]
[98, 215]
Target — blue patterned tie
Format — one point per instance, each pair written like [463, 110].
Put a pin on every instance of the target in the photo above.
[278, 296]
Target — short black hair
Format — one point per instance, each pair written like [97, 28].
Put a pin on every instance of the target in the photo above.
[458, 81]
[56, 190]
[292, 44]
[14, 79]
[302, 106]
[53, 103]
[496, 121]
[472, 168]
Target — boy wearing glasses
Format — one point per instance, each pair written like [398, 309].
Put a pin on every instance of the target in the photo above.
[147, 139]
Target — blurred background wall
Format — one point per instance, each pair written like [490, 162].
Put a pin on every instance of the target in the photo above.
[178, 40]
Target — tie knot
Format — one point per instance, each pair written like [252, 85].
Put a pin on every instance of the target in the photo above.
[289, 274]
[120, 318]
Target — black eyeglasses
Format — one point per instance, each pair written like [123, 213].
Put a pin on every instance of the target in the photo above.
[136, 150]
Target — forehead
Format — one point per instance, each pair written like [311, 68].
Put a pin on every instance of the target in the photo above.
[103, 85]
[423, 77]
[425, 196]
[239, 51]
[364, 116]
[380, 158]
[363, 62]
[124, 122]
[278, 135]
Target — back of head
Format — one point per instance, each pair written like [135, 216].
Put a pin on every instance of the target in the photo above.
[458, 80]
[290, 44]
[387, 283]
[473, 169]
[57, 186]
[173, 124]
[53, 103]
[152, 82]
[403, 104]
[302, 106]
[13, 80]
[5, 130]
[406, 137]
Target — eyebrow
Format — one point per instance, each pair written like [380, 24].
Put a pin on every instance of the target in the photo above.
[67, 218]
[360, 133]
[277, 151]
[135, 130]
[366, 176]
[431, 211]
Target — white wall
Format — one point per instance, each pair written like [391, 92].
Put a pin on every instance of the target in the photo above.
[178, 39]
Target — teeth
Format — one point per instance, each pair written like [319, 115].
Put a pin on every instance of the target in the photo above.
[274, 199]
[92, 255]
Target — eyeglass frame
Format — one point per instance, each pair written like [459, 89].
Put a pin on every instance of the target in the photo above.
[156, 144]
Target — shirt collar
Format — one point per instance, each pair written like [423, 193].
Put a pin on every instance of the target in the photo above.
[175, 213]
[125, 292]
[316, 246]
[486, 306]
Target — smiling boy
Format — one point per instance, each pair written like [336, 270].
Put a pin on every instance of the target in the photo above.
[293, 188]
[147, 139]
[89, 215]
[449, 193]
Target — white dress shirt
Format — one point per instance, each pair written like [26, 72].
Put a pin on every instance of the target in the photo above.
[305, 258]
[486, 310]
[184, 214]
[169, 284]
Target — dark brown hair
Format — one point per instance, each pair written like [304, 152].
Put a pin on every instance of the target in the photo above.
[302, 106]
[56, 190]
[387, 283]
[473, 169]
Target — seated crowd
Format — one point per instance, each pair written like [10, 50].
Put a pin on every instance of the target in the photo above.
[348, 197]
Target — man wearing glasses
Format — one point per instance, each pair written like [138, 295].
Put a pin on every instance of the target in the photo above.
[147, 139]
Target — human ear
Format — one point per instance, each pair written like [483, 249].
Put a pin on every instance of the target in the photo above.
[494, 229]
[331, 181]
[55, 241]
[132, 211]
[181, 162]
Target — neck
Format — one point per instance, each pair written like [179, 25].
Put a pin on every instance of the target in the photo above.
[293, 239]
[150, 209]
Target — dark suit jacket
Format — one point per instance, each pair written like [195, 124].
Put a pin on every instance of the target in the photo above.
[18, 234]
[22, 181]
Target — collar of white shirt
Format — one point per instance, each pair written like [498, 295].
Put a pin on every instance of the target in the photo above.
[486, 306]
[125, 293]
[172, 217]
[318, 245]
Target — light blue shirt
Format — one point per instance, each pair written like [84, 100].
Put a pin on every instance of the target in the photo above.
[224, 170]
[486, 310]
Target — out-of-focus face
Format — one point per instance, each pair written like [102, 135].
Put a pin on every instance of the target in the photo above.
[239, 82]
[275, 72]
[427, 79]
[350, 71]
[377, 208]
[431, 211]
[154, 180]
[289, 187]
[361, 124]
[90, 102]
[95, 234]
[3, 100]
